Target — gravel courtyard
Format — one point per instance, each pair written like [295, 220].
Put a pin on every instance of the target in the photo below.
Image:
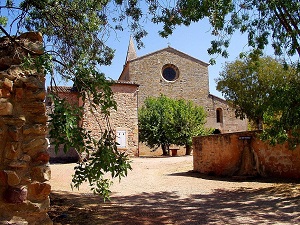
[165, 190]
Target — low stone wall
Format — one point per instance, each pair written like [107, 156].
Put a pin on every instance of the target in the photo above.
[244, 154]
[24, 169]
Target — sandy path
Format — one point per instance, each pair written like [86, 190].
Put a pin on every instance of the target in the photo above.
[166, 191]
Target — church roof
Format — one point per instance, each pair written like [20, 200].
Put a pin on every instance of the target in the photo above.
[70, 89]
[62, 89]
[216, 97]
[173, 50]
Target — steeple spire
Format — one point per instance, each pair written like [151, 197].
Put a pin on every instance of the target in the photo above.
[131, 53]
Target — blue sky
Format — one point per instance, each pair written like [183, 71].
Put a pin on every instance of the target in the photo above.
[193, 40]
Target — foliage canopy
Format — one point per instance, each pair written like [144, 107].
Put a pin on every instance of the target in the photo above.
[264, 90]
[164, 121]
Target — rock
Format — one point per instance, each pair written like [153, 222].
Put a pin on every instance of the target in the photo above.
[32, 36]
[12, 178]
[15, 194]
[38, 191]
[6, 108]
[43, 157]
[8, 84]
[3, 178]
[35, 129]
[4, 93]
[41, 173]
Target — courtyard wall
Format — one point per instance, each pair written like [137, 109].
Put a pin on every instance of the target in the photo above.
[244, 154]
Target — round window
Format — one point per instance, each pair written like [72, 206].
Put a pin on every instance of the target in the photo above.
[170, 72]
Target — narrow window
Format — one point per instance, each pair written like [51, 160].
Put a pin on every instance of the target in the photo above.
[121, 138]
[219, 115]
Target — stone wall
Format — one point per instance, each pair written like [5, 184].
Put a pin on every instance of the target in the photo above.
[24, 168]
[124, 119]
[244, 154]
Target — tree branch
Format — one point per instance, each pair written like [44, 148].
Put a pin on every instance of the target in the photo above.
[280, 15]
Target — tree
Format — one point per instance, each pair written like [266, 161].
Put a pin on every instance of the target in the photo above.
[188, 122]
[164, 121]
[271, 22]
[74, 50]
[154, 123]
[264, 91]
[250, 84]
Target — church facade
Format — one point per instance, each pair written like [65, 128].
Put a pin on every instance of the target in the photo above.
[180, 76]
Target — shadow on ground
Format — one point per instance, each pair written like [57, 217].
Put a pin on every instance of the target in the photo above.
[260, 179]
[278, 204]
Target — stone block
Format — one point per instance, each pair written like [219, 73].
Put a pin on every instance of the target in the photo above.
[4, 93]
[15, 194]
[4, 74]
[36, 47]
[3, 178]
[25, 158]
[38, 129]
[35, 95]
[32, 36]
[37, 119]
[6, 108]
[11, 150]
[34, 108]
[15, 71]
[41, 173]
[34, 145]
[12, 178]
[16, 221]
[17, 164]
[19, 93]
[42, 157]
[32, 82]
[7, 84]
[38, 191]
[13, 133]
[13, 121]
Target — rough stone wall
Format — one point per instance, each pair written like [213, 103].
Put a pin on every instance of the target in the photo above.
[24, 168]
[244, 154]
[125, 118]
[229, 123]
[147, 72]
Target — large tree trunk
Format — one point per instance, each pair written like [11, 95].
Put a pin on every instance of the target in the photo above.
[188, 150]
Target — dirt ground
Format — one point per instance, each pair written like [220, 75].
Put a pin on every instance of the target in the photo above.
[165, 190]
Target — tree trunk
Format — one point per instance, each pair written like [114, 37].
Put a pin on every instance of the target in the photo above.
[247, 165]
[188, 150]
[165, 149]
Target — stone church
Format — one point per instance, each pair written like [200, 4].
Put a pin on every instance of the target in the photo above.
[178, 75]
[172, 73]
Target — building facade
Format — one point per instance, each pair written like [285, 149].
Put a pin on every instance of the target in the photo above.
[180, 76]
[123, 121]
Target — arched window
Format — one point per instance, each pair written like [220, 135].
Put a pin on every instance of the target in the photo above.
[219, 115]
